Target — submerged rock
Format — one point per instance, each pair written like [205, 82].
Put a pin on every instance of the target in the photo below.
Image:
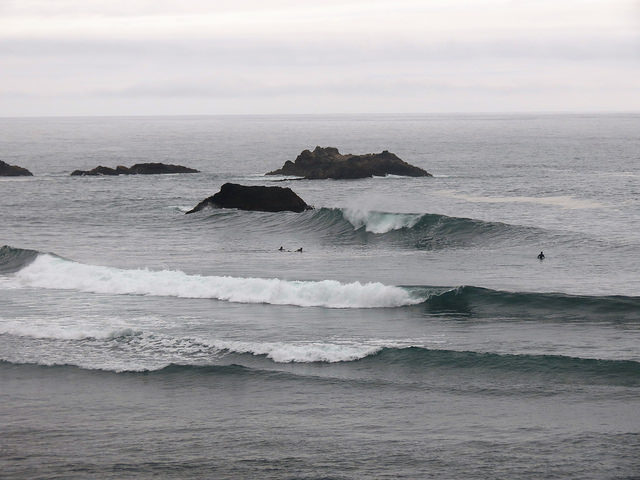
[262, 199]
[137, 169]
[7, 170]
[330, 163]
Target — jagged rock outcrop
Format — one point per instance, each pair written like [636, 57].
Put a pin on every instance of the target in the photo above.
[7, 170]
[330, 163]
[137, 169]
[100, 170]
[262, 199]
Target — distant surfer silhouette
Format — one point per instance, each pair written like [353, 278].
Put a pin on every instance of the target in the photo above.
[541, 256]
[281, 249]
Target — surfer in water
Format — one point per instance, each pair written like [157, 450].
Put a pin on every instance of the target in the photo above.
[541, 256]
[281, 249]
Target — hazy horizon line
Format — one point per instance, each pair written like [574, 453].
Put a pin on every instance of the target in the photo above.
[329, 114]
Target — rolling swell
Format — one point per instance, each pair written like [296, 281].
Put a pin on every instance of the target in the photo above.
[426, 231]
[617, 371]
[484, 302]
[414, 361]
[426, 359]
[431, 231]
[31, 268]
[15, 259]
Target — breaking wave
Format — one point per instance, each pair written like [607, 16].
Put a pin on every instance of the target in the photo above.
[52, 272]
[379, 222]
[345, 225]
[14, 259]
[433, 231]
[244, 357]
[27, 268]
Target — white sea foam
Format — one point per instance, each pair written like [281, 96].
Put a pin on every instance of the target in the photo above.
[391, 175]
[330, 352]
[48, 271]
[134, 350]
[62, 330]
[180, 208]
[272, 178]
[155, 353]
[379, 222]
[303, 352]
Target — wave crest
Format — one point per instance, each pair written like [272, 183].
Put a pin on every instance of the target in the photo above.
[379, 222]
[14, 259]
[244, 357]
[484, 302]
[302, 352]
[422, 230]
[49, 271]
[346, 225]
[33, 269]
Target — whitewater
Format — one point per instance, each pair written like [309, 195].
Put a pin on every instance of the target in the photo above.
[48, 271]
[416, 335]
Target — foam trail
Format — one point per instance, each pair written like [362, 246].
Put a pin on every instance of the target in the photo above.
[379, 222]
[62, 331]
[49, 271]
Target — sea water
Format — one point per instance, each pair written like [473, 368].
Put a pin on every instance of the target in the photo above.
[416, 335]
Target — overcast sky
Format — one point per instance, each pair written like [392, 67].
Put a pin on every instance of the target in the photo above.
[96, 57]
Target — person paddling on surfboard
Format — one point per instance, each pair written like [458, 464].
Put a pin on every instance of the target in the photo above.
[541, 256]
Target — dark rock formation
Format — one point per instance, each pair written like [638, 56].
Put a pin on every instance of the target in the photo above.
[7, 170]
[329, 163]
[262, 199]
[156, 168]
[100, 170]
[137, 169]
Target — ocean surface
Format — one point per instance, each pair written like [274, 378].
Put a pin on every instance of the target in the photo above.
[416, 336]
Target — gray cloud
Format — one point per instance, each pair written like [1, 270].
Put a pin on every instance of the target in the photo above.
[304, 51]
[365, 87]
[375, 65]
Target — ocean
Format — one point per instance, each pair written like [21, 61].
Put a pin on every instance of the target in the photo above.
[417, 335]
